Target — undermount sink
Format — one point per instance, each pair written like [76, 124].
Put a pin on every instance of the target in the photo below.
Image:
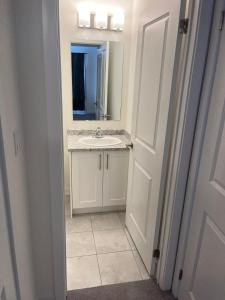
[99, 141]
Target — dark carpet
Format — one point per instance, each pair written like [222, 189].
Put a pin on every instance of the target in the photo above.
[137, 290]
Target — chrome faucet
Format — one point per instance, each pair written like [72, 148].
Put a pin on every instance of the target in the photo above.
[98, 132]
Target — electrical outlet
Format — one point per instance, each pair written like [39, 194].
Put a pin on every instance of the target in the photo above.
[17, 141]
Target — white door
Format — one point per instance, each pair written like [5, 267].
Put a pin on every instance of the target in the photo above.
[115, 178]
[87, 176]
[102, 80]
[204, 266]
[157, 42]
[7, 283]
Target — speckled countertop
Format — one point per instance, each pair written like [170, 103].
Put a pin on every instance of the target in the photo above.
[73, 137]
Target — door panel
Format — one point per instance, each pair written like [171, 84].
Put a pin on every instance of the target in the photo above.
[212, 238]
[157, 44]
[115, 178]
[142, 191]
[204, 265]
[152, 69]
[87, 176]
[218, 173]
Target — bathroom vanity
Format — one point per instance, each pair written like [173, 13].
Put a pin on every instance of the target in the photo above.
[98, 172]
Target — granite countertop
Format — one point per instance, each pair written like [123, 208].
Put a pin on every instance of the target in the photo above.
[73, 137]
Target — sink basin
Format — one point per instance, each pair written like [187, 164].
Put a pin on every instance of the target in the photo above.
[99, 142]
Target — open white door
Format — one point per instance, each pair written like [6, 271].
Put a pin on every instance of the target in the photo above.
[204, 265]
[157, 44]
[102, 81]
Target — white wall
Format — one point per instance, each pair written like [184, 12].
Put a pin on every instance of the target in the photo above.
[69, 32]
[11, 120]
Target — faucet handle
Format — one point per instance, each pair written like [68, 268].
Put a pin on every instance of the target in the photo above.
[98, 132]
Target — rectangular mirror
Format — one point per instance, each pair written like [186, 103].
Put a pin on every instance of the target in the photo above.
[97, 78]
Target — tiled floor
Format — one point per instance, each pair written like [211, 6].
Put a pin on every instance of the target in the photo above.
[100, 251]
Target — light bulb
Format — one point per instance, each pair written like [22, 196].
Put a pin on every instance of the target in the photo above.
[117, 21]
[101, 19]
[84, 18]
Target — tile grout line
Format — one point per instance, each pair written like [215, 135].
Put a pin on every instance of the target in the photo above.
[103, 253]
[96, 253]
[109, 229]
[123, 228]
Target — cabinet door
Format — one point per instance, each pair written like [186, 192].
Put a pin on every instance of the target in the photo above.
[87, 176]
[115, 178]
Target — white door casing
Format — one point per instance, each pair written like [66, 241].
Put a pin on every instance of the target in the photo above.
[7, 279]
[157, 44]
[115, 178]
[204, 265]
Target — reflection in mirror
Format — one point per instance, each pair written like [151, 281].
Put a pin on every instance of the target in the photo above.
[97, 75]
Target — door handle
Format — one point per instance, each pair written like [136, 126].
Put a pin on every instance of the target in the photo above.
[107, 161]
[100, 161]
[130, 146]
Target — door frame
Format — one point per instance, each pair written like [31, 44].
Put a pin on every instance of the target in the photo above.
[192, 74]
[53, 93]
[195, 50]
[204, 99]
[6, 199]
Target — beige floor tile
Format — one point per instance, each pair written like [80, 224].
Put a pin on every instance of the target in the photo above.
[122, 216]
[111, 241]
[82, 272]
[105, 221]
[78, 224]
[141, 266]
[118, 267]
[80, 244]
[132, 245]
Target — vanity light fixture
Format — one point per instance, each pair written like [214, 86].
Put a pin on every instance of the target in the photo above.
[100, 19]
[117, 21]
[84, 18]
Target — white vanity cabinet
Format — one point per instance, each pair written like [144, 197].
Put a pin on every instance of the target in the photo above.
[86, 179]
[98, 179]
[115, 178]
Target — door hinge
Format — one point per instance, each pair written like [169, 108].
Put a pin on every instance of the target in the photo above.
[221, 20]
[156, 253]
[183, 26]
[180, 274]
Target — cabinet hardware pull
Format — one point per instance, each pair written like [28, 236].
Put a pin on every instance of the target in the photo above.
[107, 161]
[100, 162]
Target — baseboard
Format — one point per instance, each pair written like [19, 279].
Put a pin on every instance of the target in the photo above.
[99, 209]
